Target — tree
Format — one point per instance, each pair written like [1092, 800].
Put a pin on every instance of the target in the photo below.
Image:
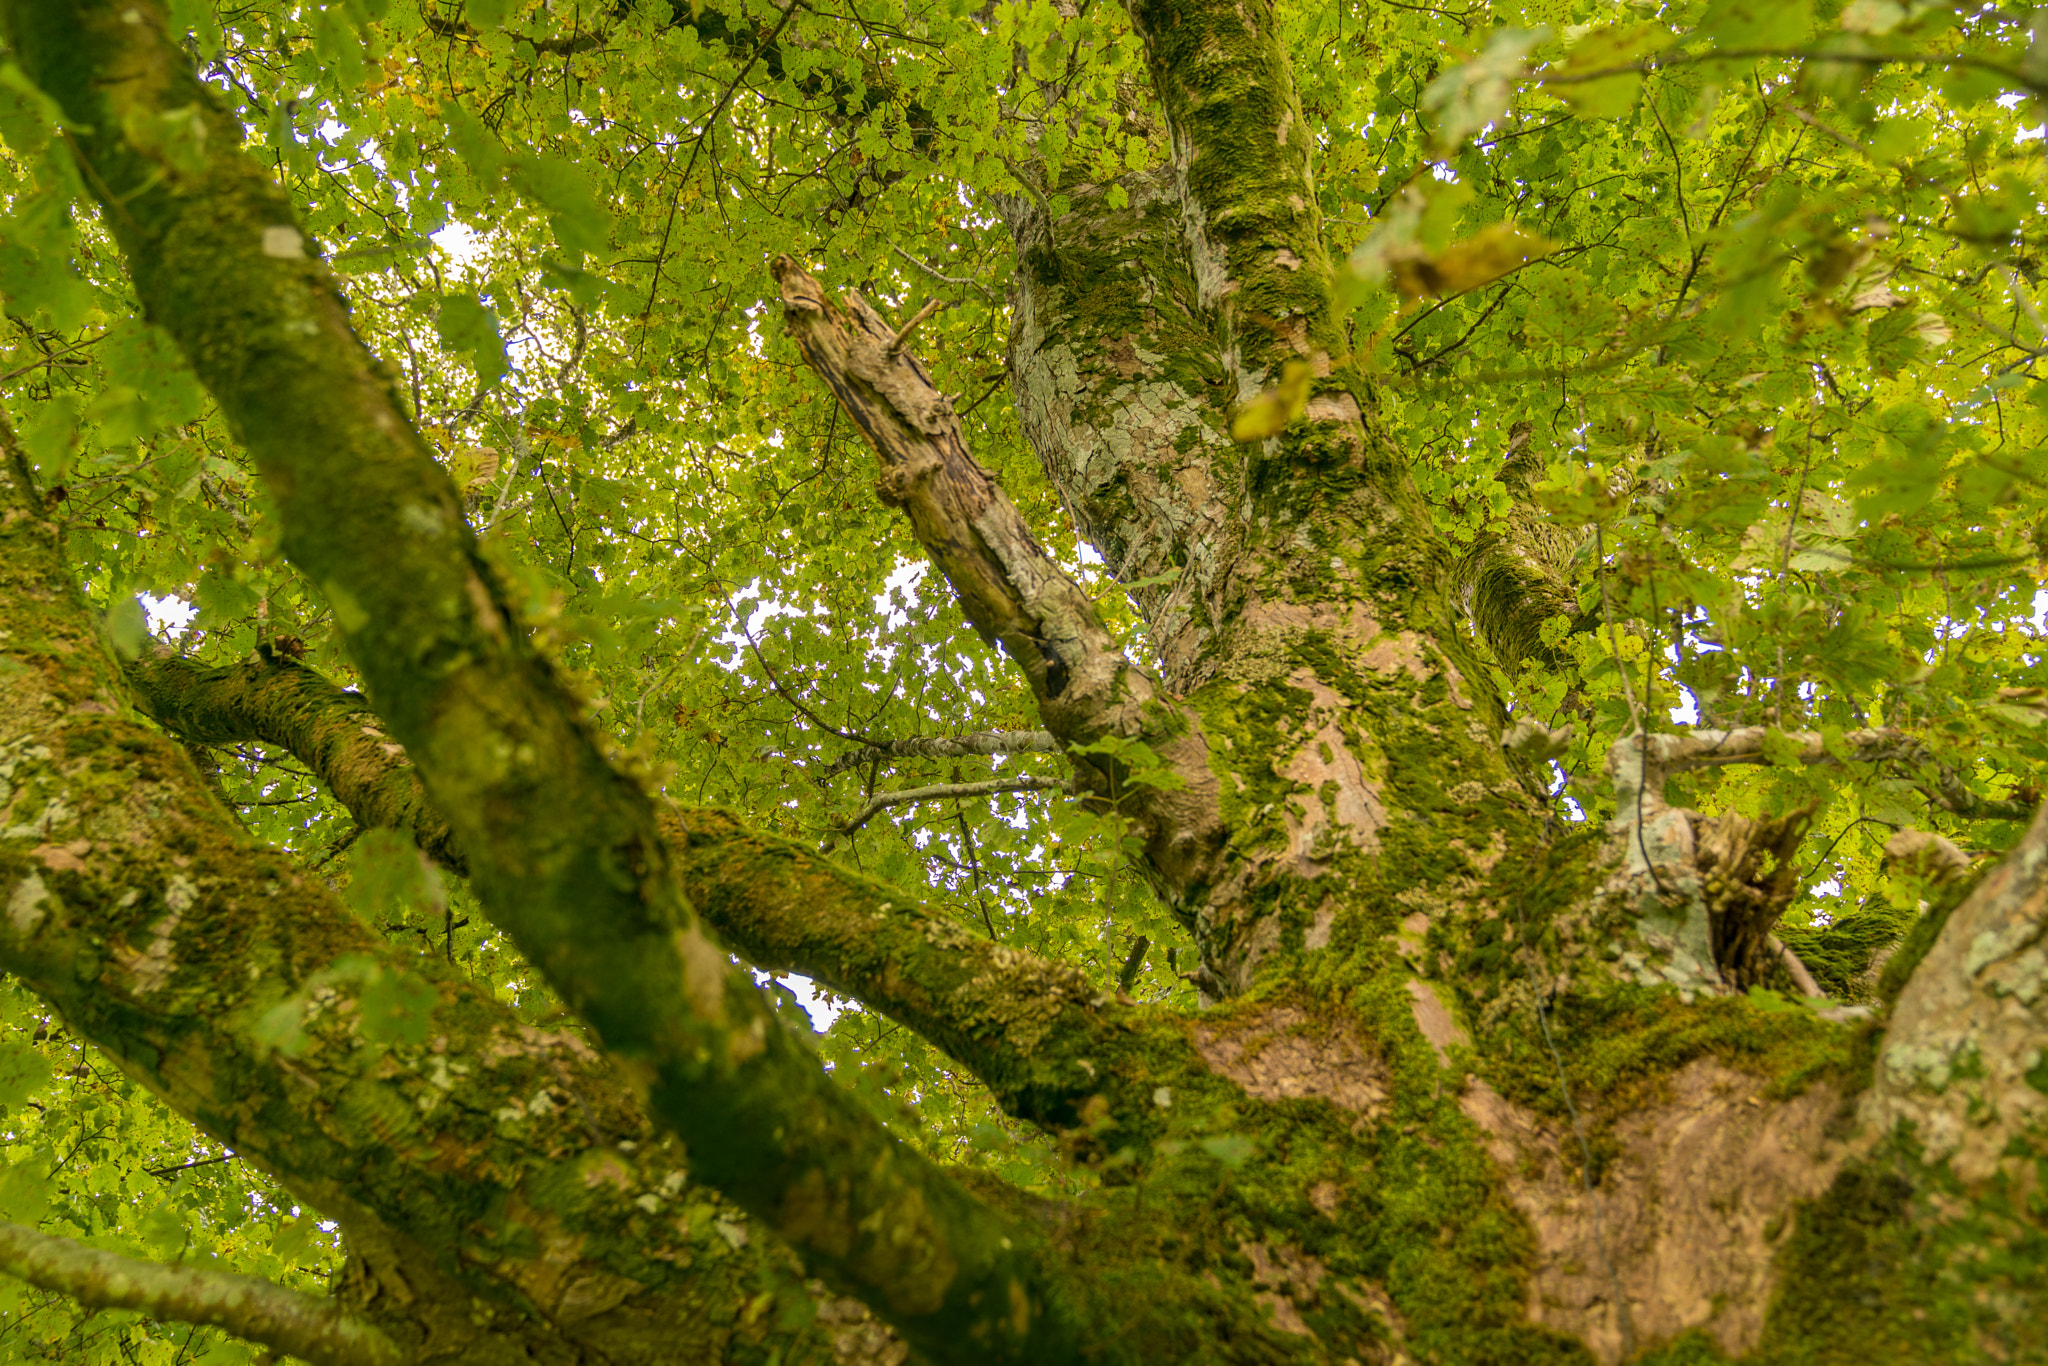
[1460, 794]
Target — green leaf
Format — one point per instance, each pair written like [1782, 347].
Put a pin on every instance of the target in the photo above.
[1736, 24]
[24, 1190]
[580, 220]
[128, 627]
[1468, 97]
[293, 1239]
[51, 436]
[221, 598]
[476, 145]
[1609, 97]
[469, 329]
[397, 1008]
[23, 1072]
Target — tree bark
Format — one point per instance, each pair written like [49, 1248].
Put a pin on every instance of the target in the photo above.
[1475, 1086]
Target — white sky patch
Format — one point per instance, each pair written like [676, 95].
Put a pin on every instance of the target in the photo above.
[168, 615]
[822, 1012]
[460, 241]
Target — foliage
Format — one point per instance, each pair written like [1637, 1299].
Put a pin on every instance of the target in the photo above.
[1762, 281]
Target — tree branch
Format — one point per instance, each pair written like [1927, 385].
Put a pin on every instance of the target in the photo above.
[334, 733]
[247, 1306]
[1051, 1048]
[1511, 582]
[1013, 1019]
[564, 850]
[141, 911]
[882, 801]
[946, 747]
[1089, 693]
[1674, 753]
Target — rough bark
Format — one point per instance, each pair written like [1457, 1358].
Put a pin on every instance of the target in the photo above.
[564, 850]
[1476, 1087]
[1054, 1050]
[459, 1168]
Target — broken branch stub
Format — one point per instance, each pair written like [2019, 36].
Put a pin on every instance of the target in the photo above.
[1013, 593]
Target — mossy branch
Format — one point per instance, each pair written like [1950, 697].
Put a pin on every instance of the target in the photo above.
[882, 801]
[140, 910]
[334, 733]
[1015, 1020]
[564, 850]
[248, 1306]
[946, 747]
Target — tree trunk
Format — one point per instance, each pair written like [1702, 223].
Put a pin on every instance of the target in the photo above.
[1473, 1084]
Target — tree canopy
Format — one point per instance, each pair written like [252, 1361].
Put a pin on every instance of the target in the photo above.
[1509, 430]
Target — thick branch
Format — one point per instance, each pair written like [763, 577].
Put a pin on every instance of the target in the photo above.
[1013, 1019]
[947, 747]
[1049, 1045]
[564, 850]
[1088, 691]
[1961, 1053]
[140, 910]
[334, 733]
[1672, 753]
[247, 1306]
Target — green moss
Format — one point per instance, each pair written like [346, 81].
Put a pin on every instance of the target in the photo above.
[1913, 947]
[1840, 954]
[1618, 1046]
[1692, 1349]
[1897, 1263]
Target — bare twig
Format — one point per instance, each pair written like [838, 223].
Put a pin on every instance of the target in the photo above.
[1801, 978]
[970, 283]
[903, 332]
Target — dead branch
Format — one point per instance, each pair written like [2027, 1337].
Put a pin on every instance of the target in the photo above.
[1087, 689]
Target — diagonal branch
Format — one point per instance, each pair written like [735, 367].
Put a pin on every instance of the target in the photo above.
[141, 911]
[1090, 695]
[946, 747]
[247, 1306]
[564, 850]
[334, 733]
[1015, 1020]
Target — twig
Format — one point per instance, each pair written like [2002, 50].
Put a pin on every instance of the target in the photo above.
[717, 111]
[969, 283]
[896, 342]
[166, 1173]
[1801, 978]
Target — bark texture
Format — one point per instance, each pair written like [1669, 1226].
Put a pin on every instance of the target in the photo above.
[1473, 1086]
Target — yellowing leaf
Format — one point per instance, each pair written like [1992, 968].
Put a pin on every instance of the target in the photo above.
[1483, 257]
[1269, 413]
[473, 465]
